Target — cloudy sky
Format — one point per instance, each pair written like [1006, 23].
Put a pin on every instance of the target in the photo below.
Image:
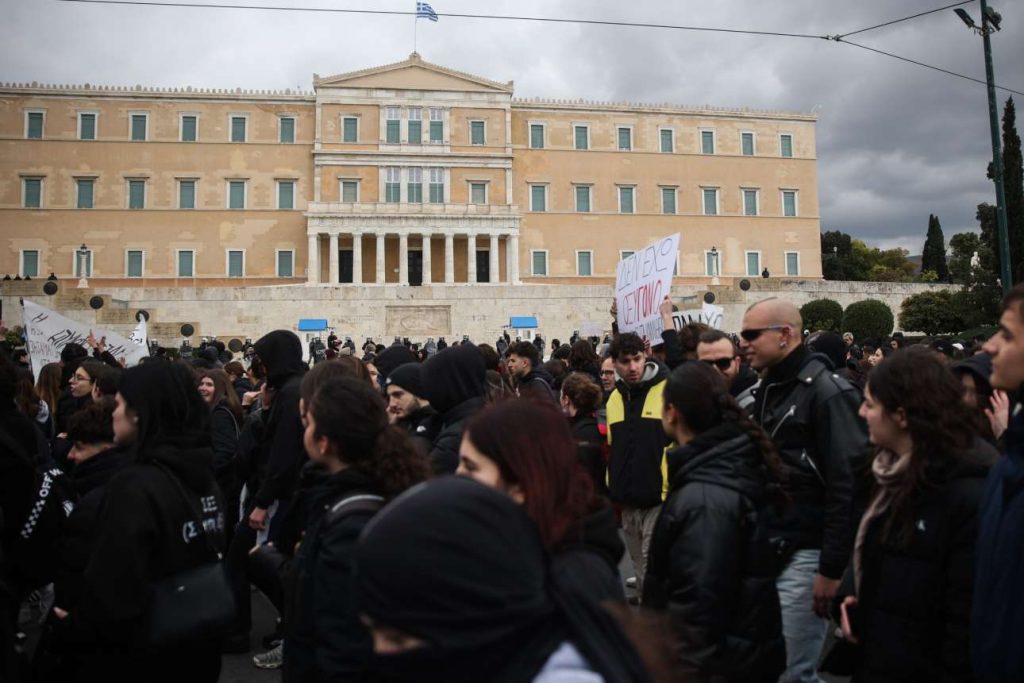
[895, 141]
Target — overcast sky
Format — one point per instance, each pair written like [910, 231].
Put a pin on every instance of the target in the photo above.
[895, 141]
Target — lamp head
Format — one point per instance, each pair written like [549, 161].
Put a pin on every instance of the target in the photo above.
[993, 17]
[965, 17]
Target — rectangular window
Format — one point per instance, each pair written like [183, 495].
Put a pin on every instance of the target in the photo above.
[789, 203]
[350, 129]
[34, 125]
[539, 262]
[536, 136]
[33, 193]
[538, 197]
[350, 190]
[84, 188]
[583, 198]
[436, 126]
[707, 142]
[286, 129]
[584, 261]
[477, 133]
[753, 263]
[86, 126]
[414, 189]
[626, 198]
[415, 126]
[393, 185]
[625, 254]
[581, 137]
[711, 263]
[437, 186]
[625, 137]
[133, 263]
[79, 257]
[710, 201]
[667, 140]
[236, 194]
[139, 126]
[792, 263]
[236, 263]
[786, 145]
[749, 202]
[285, 263]
[668, 200]
[478, 193]
[286, 194]
[189, 128]
[186, 194]
[747, 144]
[186, 263]
[30, 263]
[136, 194]
[238, 128]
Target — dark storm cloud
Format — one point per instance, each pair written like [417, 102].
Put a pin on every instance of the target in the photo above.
[895, 141]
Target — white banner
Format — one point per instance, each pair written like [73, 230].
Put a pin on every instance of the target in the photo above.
[48, 332]
[642, 281]
[709, 314]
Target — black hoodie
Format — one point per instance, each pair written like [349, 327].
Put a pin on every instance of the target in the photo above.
[454, 382]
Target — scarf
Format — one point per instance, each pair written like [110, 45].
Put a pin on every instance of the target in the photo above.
[889, 469]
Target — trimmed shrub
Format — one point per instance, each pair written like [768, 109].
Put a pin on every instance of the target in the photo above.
[868, 319]
[932, 313]
[822, 315]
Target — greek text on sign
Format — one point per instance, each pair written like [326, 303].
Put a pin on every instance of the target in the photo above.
[641, 282]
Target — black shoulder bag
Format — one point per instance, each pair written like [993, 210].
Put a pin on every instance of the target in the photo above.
[193, 605]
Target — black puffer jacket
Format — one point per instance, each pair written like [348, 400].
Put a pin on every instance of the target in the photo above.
[454, 382]
[587, 562]
[591, 447]
[711, 563]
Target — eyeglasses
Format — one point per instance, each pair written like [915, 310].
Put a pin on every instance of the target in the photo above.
[720, 363]
[752, 334]
[79, 378]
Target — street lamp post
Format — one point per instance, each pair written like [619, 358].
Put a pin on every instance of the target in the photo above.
[83, 255]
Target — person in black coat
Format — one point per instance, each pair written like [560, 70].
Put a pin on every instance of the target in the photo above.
[454, 382]
[906, 600]
[225, 426]
[711, 563]
[580, 397]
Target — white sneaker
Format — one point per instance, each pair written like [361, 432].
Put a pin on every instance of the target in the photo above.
[271, 659]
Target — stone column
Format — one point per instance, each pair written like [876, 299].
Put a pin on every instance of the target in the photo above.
[425, 242]
[513, 259]
[471, 258]
[333, 276]
[495, 268]
[313, 261]
[357, 258]
[380, 258]
[449, 259]
[403, 259]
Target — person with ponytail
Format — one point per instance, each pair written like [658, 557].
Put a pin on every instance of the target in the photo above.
[711, 564]
[366, 462]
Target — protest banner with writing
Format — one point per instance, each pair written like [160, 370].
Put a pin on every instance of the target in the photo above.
[48, 332]
[641, 282]
[709, 314]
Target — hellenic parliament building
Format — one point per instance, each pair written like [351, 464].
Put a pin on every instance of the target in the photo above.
[399, 185]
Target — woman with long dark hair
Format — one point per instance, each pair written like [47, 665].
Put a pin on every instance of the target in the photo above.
[225, 425]
[711, 563]
[583, 358]
[48, 386]
[580, 398]
[159, 517]
[526, 450]
[914, 552]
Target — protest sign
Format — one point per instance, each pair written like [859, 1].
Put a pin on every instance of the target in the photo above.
[709, 314]
[48, 332]
[641, 282]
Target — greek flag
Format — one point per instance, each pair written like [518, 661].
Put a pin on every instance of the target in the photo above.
[425, 11]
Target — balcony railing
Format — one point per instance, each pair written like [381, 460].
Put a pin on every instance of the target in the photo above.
[396, 209]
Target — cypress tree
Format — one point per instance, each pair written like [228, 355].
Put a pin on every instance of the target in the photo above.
[933, 256]
[1013, 187]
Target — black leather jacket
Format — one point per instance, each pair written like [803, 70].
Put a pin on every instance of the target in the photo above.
[811, 414]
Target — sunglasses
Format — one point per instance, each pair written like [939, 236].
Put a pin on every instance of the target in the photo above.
[752, 334]
[720, 363]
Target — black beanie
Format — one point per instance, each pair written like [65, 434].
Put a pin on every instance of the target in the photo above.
[407, 376]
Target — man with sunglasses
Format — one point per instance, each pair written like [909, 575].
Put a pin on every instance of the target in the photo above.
[811, 415]
[718, 350]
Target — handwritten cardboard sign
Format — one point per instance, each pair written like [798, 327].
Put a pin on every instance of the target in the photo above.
[709, 314]
[641, 282]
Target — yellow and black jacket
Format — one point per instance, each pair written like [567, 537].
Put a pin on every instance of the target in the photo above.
[637, 443]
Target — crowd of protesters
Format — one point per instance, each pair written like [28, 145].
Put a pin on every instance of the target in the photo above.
[792, 503]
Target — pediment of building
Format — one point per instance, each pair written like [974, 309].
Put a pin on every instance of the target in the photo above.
[412, 74]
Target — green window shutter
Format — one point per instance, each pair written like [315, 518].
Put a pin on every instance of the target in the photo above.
[583, 263]
[747, 140]
[187, 194]
[136, 194]
[285, 263]
[538, 198]
[707, 142]
[668, 200]
[393, 132]
[625, 200]
[478, 193]
[188, 129]
[476, 132]
[749, 202]
[536, 136]
[437, 193]
[789, 204]
[138, 126]
[236, 196]
[287, 130]
[85, 192]
[33, 193]
[625, 139]
[753, 264]
[583, 198]
[349, 191]
[415, 132]
[415, 191]
[710, 202]
[437, 131]
[351, 129]
[786, 144]
[35, 125]
[30, 263]
[185, 263]
[666, 141]
[237, 129]
[134, 263]
[392, 193]
[286, 195]
[792, 263]
[236, 264]
[580, 135]
[88, 126]
[540, 263]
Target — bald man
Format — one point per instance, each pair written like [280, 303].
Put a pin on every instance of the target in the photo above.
[811, 415]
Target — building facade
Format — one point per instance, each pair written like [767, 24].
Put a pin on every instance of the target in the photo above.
[405, 174]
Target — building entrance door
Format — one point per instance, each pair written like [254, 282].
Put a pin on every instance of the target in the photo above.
[415, 268]
[345, 265]
[483, 266]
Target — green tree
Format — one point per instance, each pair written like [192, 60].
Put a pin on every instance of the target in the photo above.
[933, 256]
[839, 260]
[892, 265]
[931, 313]
[983, 285]
[868, 319]
[962, 247]
[822, 314]
[1013, 187]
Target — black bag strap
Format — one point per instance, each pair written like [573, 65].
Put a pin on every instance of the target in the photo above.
[197, 514]
[361, 502]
